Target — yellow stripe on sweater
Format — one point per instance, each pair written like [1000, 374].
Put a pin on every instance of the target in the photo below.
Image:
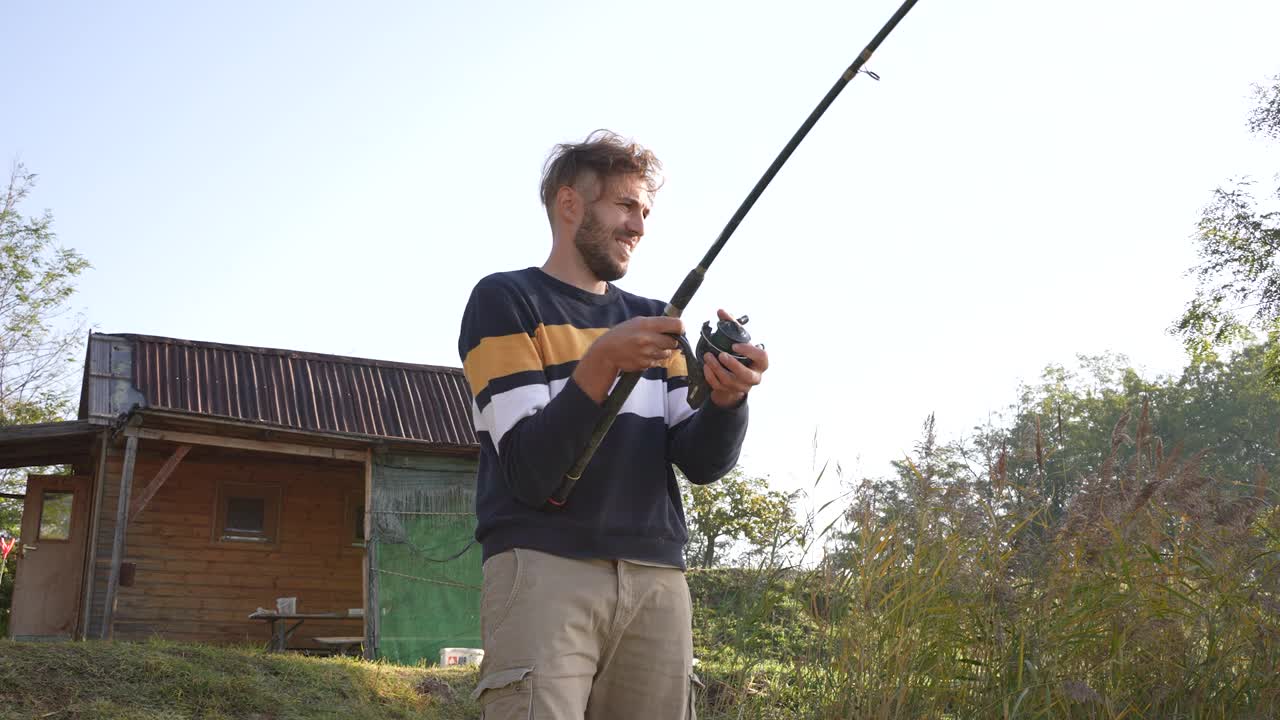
[565, 343]
[503, 355]
[499, 356]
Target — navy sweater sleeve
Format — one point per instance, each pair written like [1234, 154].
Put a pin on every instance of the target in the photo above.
[537, 433]
[706, 445]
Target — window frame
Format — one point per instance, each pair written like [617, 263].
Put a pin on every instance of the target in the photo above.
[272, 496]
[71, 516]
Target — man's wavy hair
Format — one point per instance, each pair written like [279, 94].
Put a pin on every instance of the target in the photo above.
[603, 155]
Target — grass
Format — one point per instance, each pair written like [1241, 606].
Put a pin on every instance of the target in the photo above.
[163, 680]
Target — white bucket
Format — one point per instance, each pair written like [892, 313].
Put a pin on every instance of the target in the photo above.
[461, 656]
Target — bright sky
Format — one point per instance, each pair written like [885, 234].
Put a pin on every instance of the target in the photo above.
[1020, 187]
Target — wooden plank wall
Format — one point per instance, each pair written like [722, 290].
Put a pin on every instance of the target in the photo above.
[190, 587]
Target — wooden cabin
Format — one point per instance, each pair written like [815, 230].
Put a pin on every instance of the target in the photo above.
[209, 481]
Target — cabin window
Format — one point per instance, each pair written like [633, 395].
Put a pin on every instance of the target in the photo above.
[248, 513]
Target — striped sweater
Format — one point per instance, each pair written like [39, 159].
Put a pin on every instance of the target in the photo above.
[522, 335]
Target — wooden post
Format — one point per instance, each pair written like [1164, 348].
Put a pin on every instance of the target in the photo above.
[117, 545]
[91, 555]
[372, 612]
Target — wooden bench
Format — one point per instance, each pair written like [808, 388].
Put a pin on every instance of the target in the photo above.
[344, 645]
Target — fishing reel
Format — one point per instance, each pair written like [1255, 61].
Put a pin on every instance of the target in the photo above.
[718, 341]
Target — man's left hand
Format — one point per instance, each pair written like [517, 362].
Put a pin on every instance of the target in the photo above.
[729, 379]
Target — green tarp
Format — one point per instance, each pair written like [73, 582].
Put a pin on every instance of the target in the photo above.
[425, 567]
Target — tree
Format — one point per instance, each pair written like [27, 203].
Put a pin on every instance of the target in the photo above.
[1062, 430]
[39, 342]
[40, 338]
[735, 508]
[1238, 297]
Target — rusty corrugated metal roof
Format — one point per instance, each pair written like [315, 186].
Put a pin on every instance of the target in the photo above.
[305, 391]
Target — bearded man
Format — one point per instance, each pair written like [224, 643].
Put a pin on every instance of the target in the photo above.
[585, 612]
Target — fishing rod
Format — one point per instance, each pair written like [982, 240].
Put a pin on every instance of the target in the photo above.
[613, 403]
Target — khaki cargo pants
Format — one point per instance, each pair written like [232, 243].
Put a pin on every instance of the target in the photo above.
[568, 639]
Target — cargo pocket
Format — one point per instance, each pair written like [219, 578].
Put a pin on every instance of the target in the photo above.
[505, 694]
[501, 585]
[695, 688]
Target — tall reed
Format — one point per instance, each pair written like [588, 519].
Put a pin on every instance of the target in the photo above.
[1155, 595]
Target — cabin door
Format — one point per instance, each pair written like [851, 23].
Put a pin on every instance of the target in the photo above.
[46, 588]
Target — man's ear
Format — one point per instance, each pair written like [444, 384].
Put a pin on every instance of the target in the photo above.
[569, 206]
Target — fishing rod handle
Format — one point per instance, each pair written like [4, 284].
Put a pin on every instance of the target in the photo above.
[685, 292]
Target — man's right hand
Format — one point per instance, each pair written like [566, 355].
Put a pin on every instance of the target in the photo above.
[635, 345]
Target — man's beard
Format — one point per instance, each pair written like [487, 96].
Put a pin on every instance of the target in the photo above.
[595, 244]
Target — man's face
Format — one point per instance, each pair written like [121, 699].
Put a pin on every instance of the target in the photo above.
[612, 226]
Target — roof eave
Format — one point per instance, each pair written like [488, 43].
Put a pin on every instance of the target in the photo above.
[237, 427]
